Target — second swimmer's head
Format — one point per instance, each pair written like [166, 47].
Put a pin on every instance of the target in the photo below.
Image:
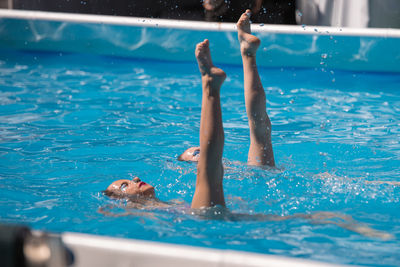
[190, 154]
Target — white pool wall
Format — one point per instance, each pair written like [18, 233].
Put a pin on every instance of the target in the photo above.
[375, 50]
[100, 251]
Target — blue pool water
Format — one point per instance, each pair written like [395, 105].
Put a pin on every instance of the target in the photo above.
[71, 124]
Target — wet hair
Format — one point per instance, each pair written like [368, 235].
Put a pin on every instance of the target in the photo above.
[111, 193]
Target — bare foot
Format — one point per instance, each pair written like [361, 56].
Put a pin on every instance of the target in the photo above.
[208, 71]
[248, 42]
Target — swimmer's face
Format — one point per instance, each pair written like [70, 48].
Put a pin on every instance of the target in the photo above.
[135, 187]
[191, 154]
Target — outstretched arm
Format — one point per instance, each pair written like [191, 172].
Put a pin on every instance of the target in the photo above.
[209, 190]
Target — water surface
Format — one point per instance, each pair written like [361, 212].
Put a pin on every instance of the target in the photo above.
[71, 124]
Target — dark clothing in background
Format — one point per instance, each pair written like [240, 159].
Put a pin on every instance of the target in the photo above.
[276, 12]
[168, 9]
[272, 11]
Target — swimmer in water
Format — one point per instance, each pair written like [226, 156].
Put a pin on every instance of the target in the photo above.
[209, 190]
[260, 151]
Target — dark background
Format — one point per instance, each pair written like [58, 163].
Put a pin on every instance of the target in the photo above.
[272, 11]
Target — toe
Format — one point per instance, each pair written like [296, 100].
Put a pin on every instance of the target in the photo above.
[243, 19]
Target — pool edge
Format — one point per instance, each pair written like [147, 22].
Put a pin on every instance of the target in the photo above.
[197, 25]
[102, 251]
[322, 48]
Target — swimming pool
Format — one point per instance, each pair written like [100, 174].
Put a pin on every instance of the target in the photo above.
[73, 122]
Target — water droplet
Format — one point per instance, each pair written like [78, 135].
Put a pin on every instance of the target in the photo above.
[333, 80]
[264, 49]
[261, 24]
[316, 30]
[299, 14]
[324, 55]
[303, 26]
[331, 37]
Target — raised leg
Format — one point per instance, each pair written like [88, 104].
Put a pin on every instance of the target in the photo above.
[260, 151]
[209, 191]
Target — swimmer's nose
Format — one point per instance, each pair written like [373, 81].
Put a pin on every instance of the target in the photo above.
[136, 180]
